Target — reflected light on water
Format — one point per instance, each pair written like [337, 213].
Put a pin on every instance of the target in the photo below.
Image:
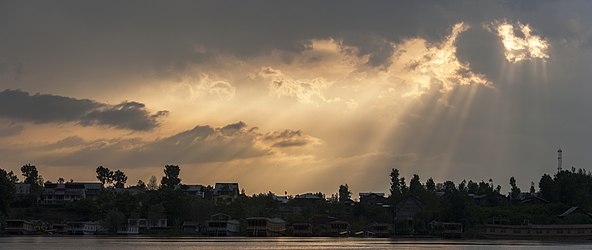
[179, 243]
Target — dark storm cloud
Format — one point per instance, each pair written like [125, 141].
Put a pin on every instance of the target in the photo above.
[163, 39]
[202, 144]
[18, 105]
[287, 138]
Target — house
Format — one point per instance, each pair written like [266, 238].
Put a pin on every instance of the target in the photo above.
[225, 193]
[308, 197]
[147, 224]
[339, 228]
[222, 225]
[22, 188]
[193, 227]
[302, 229]
[283, 199]
[531, 231]
[60, 193]
[373, 199]
[534, 200]
[131, 190]
[349, 206]
[19, 227]
[128, 230]
[378, 230]
[265, 227]
[408, 207]
[58, 229]
[192, 190]
[84, 227]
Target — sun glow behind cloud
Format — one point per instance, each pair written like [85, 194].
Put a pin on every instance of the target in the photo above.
[332, 108]
[424, 67]
[520, 43]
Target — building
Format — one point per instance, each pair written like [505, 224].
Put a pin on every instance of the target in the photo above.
[225, 193]
[569, 231]
[56, 193]
[193, 190]
[84, 227]
[265, 227]
[193, 227]
[302, 229]
[283, 199]
[408, 207]
[222, 225]
[128, 230]
[22, 188]
[147, 224]
[373, 199]
[58, 229]
[339, 228]
[378, 230]
[308, 197]
[19, 227]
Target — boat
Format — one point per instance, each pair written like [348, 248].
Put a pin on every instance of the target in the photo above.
[534, 231]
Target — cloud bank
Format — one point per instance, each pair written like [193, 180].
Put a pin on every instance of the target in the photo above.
[20, 106]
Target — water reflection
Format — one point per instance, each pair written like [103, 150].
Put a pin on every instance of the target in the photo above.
[284, 243]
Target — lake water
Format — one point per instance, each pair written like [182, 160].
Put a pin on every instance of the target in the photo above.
[180, 243]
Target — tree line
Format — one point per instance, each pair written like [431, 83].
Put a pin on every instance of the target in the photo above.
[444, 201]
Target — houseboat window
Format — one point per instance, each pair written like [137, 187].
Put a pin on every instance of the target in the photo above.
[559, 231]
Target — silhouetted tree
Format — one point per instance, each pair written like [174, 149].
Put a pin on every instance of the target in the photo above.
[449, 187]
[472, 187]
[32, 177]
[7, 192]
[403, 186]
[430, 184]
[13, 177]
[104, 175]
[119, 179]
[141, 184]
[532, 189]
[30, 173]
[152, 185]
[171, 177]
[462, 187]
[515, 191]
[415, 186]
[61, 180]
[344, 193]
[546, 187]
[395, 185]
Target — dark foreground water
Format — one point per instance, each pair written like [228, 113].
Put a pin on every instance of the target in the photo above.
[179, 243]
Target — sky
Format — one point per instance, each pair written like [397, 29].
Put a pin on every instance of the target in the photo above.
[296, 96]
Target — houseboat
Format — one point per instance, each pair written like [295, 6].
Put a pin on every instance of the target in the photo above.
[57, 229]
[265, 227]
[339, 228]
[221, 225]
[84, 227]
[531, 231]
[19, 227]
[128, 230]
[302, 229]
[379, 230]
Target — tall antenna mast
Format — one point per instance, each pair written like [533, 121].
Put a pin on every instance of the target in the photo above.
[559, 159]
